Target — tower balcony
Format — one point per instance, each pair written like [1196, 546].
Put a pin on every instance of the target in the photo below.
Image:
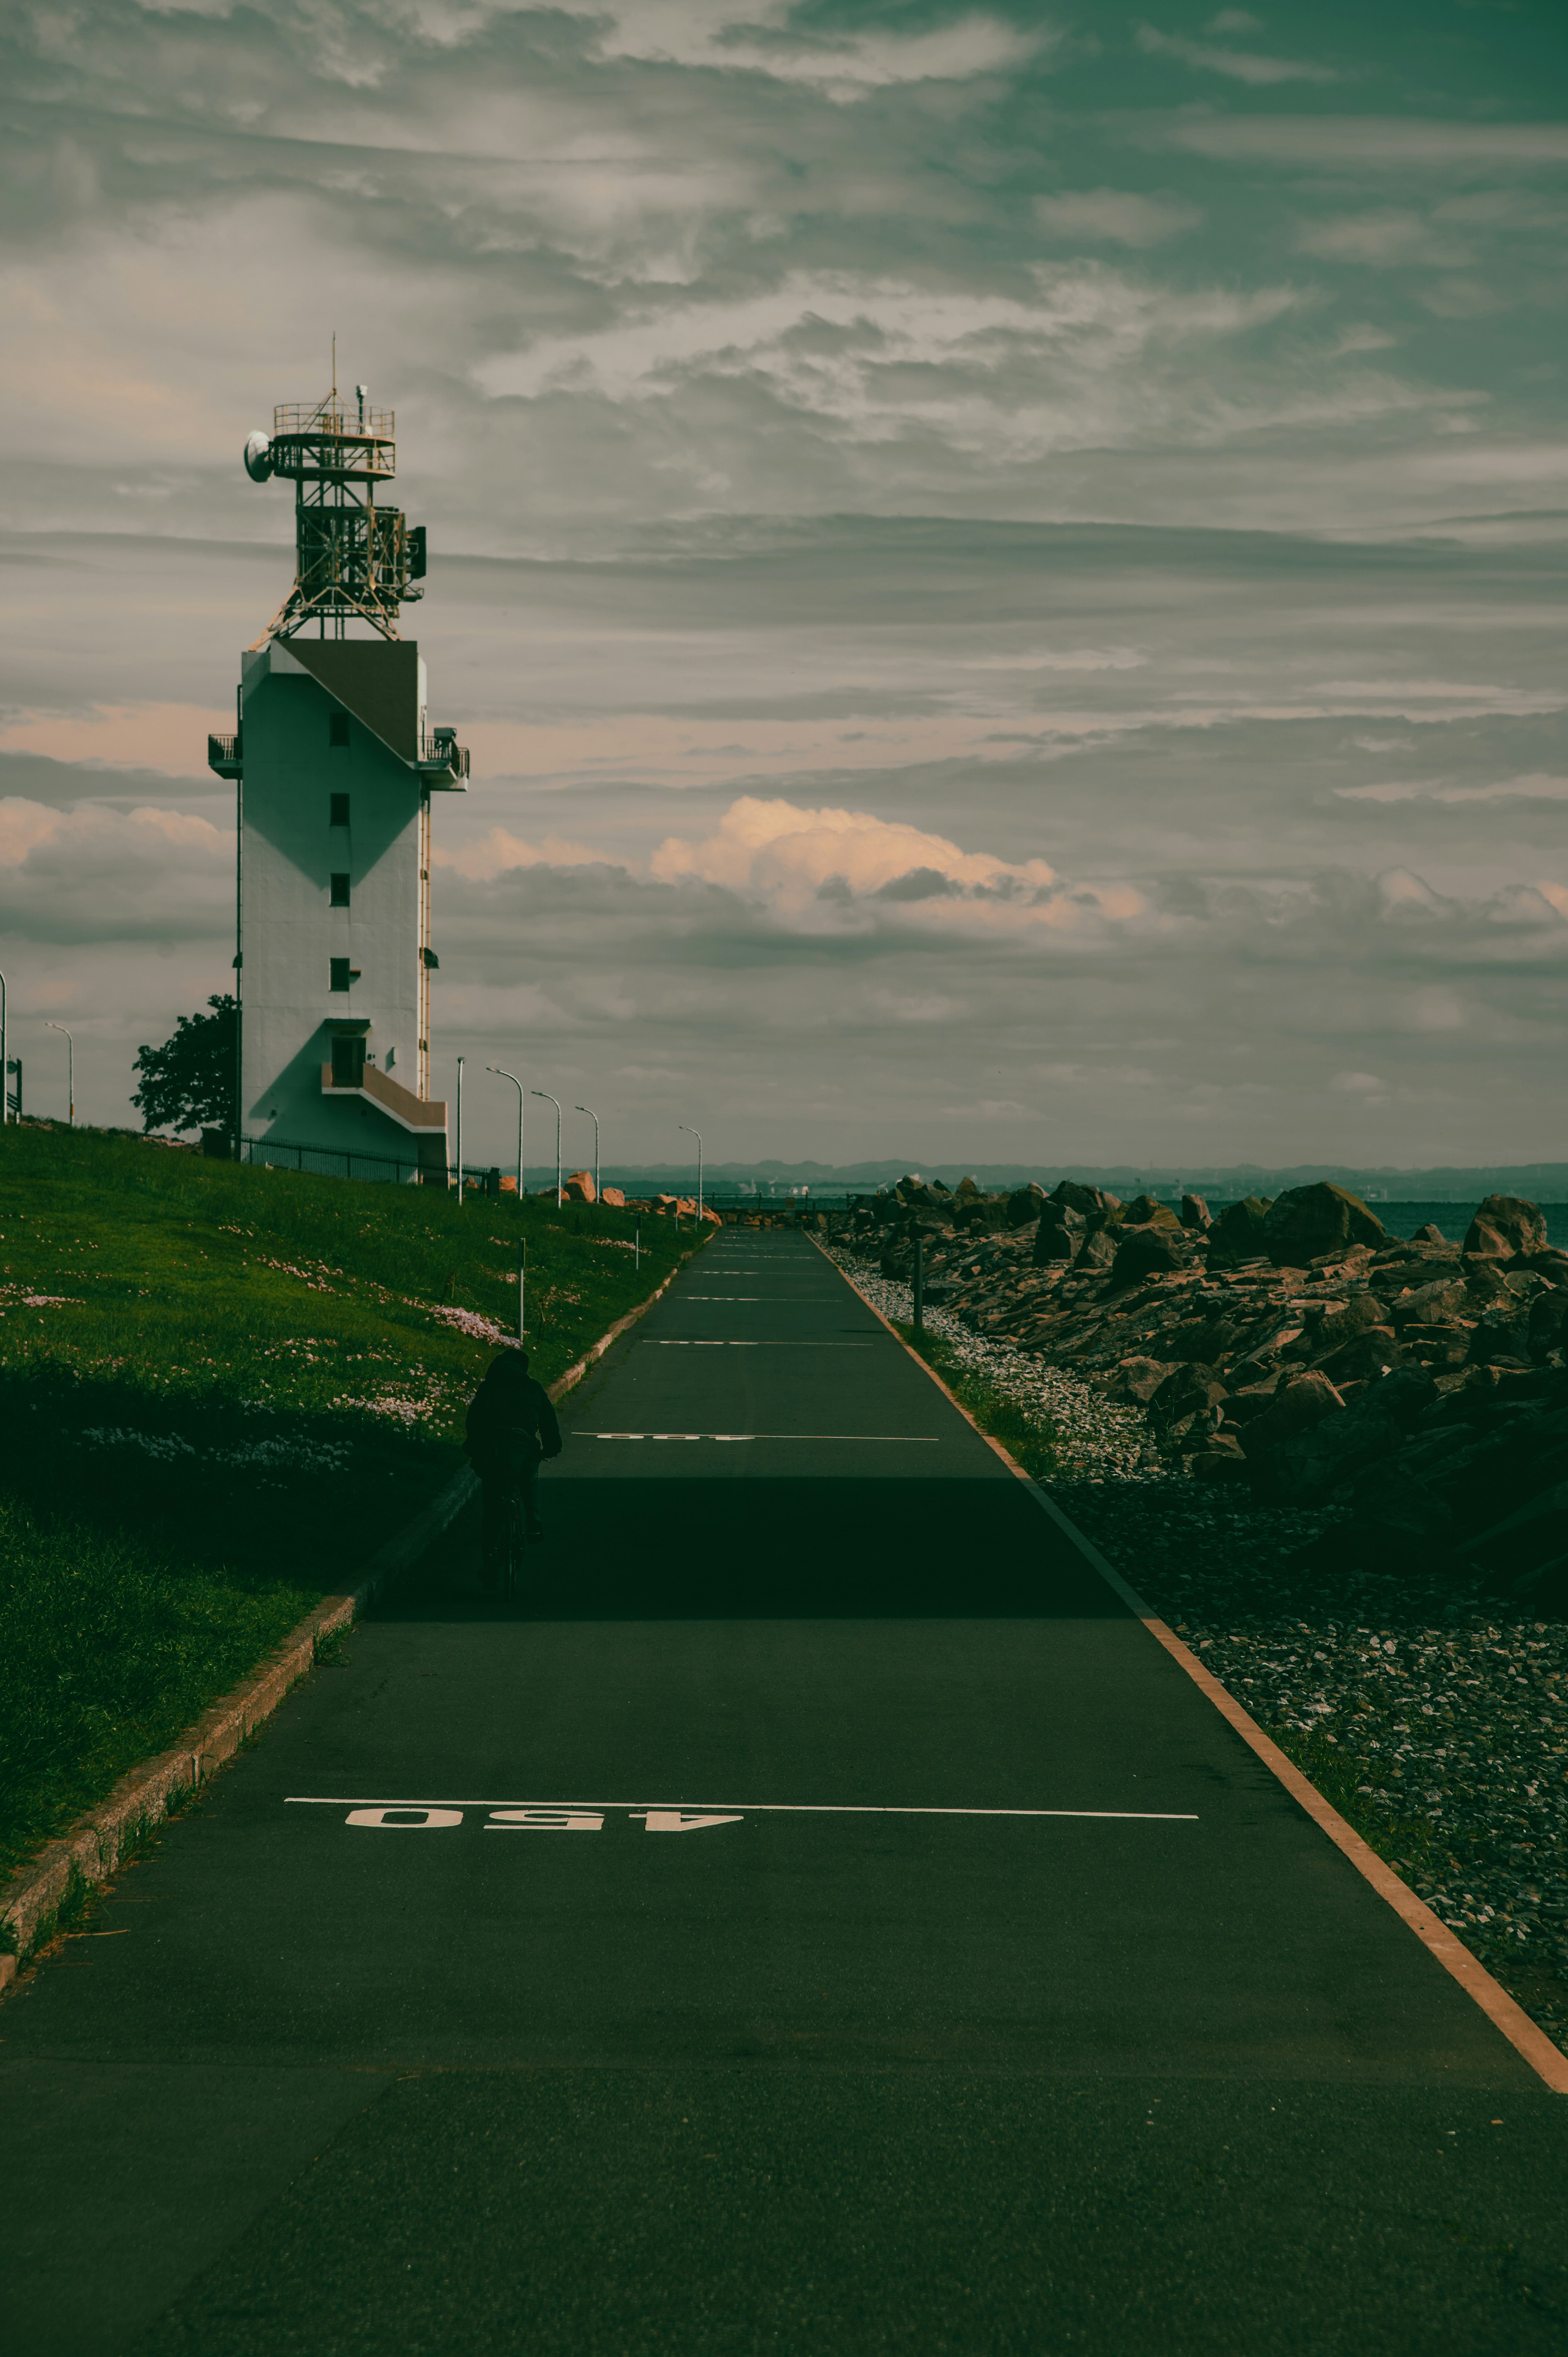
[443, 763]
[225, 754]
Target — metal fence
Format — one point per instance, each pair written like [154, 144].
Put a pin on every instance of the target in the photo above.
[334, 1162]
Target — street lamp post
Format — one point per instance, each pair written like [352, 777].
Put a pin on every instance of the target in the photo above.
[516, 1084]
[550, 1100]
[698, 1135]
[70, 1070]
[593, 1117]
[461, 1060]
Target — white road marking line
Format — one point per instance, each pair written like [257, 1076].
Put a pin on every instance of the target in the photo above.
[906, 1439]
[751, 1808]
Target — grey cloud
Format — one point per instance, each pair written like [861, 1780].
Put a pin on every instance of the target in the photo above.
[850, 476]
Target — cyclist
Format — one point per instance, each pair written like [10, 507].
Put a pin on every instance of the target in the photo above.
[511, 1427]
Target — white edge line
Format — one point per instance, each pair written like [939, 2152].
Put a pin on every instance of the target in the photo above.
[1545, 2058]
[754, 1808]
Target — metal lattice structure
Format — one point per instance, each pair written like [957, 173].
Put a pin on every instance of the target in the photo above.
[354, 559]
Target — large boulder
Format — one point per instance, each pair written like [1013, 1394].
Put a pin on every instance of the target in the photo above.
[1315, 1463]
[1237, 1234]
[1058, 1236]
[1306, 1223]
[1548, 1318]
[1143, 1211]
[1366, 1355]
[967, 1187]
[1501, 1337]
[1144, 1251]
[1362, 1311]
[1299, 1402]
[1024, 1204]
[988, 1214]
[1136, 1380]
[1084, 1199]
[1446, 1297]
[613, 1197]
[579, 1187]
[1195, 1214]
[1186, 1392]
[1504, 1225]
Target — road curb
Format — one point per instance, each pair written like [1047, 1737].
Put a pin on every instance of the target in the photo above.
[93, 1847]
[1545, 2058]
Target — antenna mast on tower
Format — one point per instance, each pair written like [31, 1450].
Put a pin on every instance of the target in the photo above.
[352, 557]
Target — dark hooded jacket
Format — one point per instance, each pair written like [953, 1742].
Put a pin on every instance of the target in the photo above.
[512, 1424]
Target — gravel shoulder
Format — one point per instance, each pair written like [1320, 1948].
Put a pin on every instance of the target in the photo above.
[1434, 1715]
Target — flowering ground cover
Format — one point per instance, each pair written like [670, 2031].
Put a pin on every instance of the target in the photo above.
[222, 1389]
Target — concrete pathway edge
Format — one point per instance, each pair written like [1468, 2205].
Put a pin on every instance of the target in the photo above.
[92, 1847]
[1545, 2058]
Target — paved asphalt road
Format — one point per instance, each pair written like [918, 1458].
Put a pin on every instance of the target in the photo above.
[819, 1920]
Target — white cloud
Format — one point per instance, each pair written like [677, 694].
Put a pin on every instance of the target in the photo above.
[1357, 1083]
[1538, 787]
[722, 36]
[1392, 237]
[1238, 65]
[1088, 361]
[1116, 217]
[1383, 143]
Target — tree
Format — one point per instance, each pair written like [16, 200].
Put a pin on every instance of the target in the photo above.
[190, 1082]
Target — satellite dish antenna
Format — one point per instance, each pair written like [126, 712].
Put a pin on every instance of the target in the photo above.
[258, 464]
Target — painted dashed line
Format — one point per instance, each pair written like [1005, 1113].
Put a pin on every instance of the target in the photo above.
[901, 1440]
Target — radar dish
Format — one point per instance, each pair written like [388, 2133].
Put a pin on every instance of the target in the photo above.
[258, 464]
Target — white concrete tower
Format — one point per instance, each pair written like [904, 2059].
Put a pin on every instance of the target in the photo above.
[336, 761]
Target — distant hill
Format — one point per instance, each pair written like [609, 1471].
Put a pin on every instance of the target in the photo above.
[1541, 1182]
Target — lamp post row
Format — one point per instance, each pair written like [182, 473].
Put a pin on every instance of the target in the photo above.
[503, 1075]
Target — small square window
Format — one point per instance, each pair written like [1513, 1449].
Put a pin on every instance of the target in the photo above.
[338, 728]
[338, 813]
[344, 975]
[340, 889]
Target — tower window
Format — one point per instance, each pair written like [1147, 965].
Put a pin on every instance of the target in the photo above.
[340, 889]
[337, 725]
[338, 809]
[344, 975]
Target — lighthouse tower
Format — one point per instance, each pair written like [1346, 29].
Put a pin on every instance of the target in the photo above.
[336, 761]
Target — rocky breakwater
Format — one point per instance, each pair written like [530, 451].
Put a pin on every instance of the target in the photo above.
[1417, 1386]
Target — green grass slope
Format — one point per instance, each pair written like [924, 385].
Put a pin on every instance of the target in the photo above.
[221, 1389]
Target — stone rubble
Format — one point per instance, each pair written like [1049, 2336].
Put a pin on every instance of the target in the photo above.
[1338, 1463]
[1291, 1346]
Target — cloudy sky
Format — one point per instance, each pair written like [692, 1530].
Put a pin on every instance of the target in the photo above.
[1001, 565]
